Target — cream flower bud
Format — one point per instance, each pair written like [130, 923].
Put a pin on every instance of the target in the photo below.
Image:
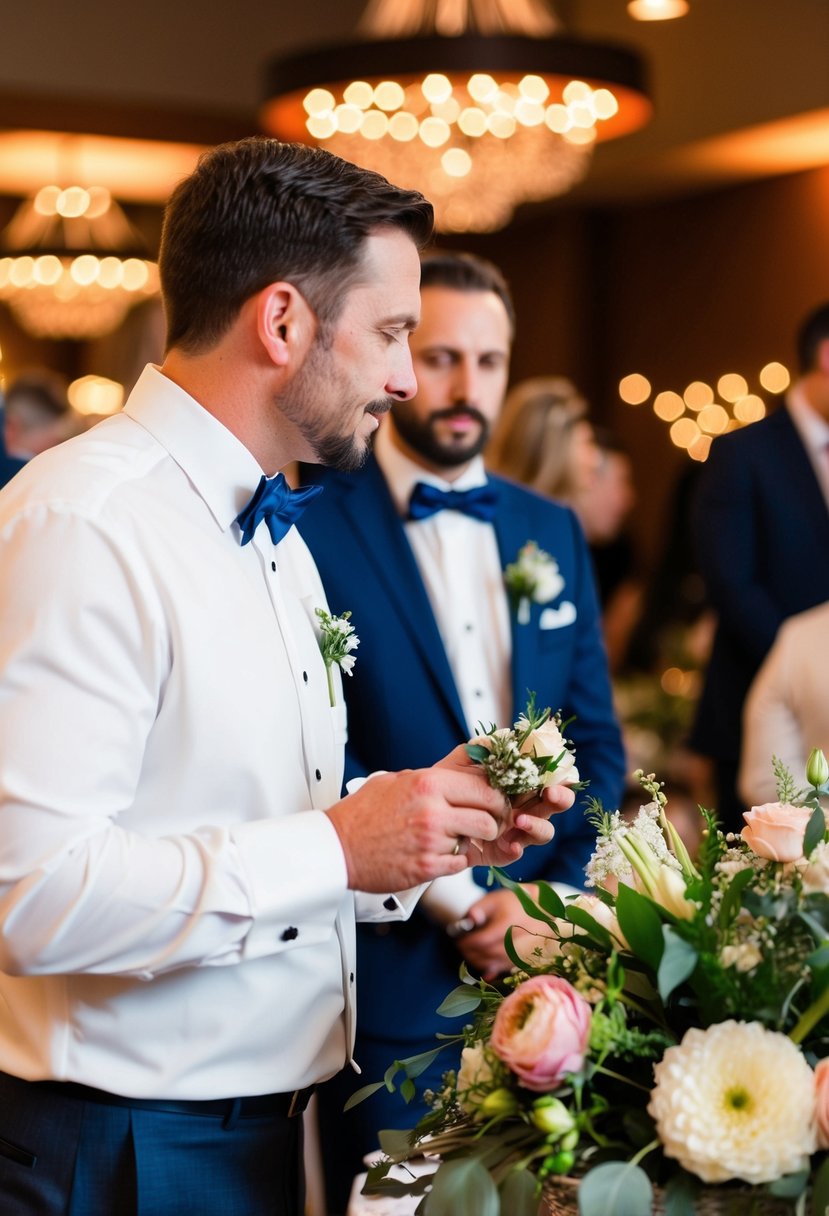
[552, 1117]
[817, 768]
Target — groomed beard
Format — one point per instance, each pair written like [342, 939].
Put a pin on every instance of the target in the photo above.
[314, 382]
[419, 434]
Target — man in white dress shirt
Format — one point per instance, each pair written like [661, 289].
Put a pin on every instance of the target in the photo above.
[177, 868]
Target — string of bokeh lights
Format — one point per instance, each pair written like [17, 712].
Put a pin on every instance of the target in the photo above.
[701, 412]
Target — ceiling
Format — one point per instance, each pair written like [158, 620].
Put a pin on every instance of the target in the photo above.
[740, 88]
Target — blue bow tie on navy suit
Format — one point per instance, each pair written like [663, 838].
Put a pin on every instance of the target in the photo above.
[276, 503]
[479, 502]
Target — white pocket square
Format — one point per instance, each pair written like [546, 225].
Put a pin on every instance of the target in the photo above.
[557, 618]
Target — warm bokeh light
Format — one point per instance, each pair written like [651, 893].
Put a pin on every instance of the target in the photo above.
[684, 432]
[657, 10]
[750, 408]
[678, 683]
[699, 449]
[775, 378]
[96, 395]
[732, 386]
[698, 394]
[668, 406]
[634, 389]
[713, 419]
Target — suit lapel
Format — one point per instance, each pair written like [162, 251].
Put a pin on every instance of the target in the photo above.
[511, 530]
[793, 467]
[368, 505]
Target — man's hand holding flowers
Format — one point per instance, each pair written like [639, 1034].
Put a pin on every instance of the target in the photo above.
[400, 830]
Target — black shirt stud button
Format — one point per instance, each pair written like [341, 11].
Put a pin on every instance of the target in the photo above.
[289, 934]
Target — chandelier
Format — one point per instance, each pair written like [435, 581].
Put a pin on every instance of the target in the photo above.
[480, 104]
[71, 264]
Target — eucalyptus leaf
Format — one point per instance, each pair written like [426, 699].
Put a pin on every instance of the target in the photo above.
[815, 831]
[678, 962]
[362, 1094]
[681, 1193]
[463, 1188]
[395, 1142]
[519, 1194]
[477, 752]
[524, 898]
[460, 1000]
[513, 955]
[615, 1188]
[582, 918]
[790, 1185]
[820, 1189]
[641, 925]
[550, 900]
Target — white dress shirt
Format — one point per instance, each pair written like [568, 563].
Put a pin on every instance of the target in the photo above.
[174, 912]
[460, 566]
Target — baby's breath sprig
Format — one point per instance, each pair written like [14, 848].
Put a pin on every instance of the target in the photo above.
[337, 640]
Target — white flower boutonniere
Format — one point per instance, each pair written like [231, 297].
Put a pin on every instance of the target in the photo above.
[527, 756]
[337, 640]
[533, 577]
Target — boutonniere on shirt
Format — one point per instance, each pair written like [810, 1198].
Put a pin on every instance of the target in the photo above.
[337, 640]
[532, 578]
[527, 756]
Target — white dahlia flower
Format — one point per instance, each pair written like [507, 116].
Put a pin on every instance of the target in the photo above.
[735, 1101]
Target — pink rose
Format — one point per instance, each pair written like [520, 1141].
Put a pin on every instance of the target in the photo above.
[775, 830]
[822, 1103]
[541, 1031]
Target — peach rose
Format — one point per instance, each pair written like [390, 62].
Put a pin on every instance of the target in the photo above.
[822, 1102]
[775, 830]
[541, 1031]
[546, 740]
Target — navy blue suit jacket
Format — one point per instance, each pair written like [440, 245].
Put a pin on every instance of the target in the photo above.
[761, 531]
[404, 710]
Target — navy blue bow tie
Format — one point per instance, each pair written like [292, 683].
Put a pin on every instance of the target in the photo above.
[276, 503]
[479, 502]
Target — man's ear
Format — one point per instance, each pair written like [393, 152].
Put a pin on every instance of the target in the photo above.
[285, 323]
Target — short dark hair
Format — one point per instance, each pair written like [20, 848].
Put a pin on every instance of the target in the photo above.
[259, 211]
[813, 330]
[466, 272]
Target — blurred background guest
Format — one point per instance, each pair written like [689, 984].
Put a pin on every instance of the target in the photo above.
[36, 414]
[787, 708]
[544, 439]
[761, 527]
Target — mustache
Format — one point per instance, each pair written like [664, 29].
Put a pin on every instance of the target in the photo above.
[382, 406]
[459, 410]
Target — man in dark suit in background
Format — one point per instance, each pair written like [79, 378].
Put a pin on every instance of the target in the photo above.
[441, 650]
[761, 530]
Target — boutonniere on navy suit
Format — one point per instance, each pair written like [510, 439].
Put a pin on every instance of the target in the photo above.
[534, 578]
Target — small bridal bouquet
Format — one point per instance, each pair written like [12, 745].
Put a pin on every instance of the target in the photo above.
[529, 755]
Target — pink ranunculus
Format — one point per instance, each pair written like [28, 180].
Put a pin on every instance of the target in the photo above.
[775, 830]
[822, 1103]
[541, 1031]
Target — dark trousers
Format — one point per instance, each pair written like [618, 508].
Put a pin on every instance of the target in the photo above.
[66, 1156]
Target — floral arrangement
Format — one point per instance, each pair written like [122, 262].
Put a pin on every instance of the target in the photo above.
[337, 639]
[669, 1030]
[527, 756]
[533, 577]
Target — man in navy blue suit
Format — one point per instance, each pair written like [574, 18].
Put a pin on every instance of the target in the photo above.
[441, 650]
[761, 525]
